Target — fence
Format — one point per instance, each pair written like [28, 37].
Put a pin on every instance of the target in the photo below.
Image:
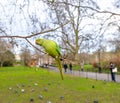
[86, 74]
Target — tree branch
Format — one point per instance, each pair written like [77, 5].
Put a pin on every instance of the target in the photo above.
[109, 12]
[32, 35]
[34, 46]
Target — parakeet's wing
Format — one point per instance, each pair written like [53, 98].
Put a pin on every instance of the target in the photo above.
[51, 48]
[58, 49]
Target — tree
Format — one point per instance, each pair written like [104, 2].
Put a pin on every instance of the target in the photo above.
[115, 41]
[9, 58]
[75, 36]
[25, 56]
[72, 35]
[5, 54]
[66, 22]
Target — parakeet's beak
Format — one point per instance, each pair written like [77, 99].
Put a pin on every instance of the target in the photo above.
[36, 42]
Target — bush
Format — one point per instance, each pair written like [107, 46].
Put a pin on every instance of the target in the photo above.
[95, 64]
[7, 63]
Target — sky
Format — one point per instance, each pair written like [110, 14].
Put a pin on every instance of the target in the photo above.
[19, 25]
[105, 4]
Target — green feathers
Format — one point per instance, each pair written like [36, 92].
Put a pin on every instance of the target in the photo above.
[52, 48]
[58, 62]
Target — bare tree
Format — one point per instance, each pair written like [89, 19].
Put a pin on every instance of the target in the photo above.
[25, 55]
[2, 51]
[5, 52]
[76, 35]
[115, 41]
[66, 20]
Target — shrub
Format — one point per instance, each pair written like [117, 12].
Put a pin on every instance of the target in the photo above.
[7, 63]
[95, 64]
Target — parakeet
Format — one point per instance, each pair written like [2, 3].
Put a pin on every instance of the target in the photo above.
[53, 49]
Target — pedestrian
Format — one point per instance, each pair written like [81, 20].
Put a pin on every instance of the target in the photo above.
[65, 66]
[112, 66]
[70, 66]
[82, 66]
[99, 68]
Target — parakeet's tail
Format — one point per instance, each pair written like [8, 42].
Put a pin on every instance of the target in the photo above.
[59, 66]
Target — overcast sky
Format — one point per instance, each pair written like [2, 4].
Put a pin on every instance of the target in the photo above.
[19, 24]
[7, 9]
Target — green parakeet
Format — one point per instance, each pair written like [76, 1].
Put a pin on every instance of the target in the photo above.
[52, 48]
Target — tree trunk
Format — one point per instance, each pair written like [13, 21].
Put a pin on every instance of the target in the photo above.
[76, 58]
[77, 49]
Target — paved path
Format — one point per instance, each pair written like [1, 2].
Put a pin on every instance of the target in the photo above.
[93, 75]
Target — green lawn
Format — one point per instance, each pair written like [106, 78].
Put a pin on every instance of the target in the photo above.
[87, 67]
[22, 85]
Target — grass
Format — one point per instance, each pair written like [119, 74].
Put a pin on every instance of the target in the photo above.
[87, 67]
[50, 86]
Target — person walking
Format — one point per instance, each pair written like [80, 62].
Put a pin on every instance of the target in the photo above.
[112, 66]
[65, 66]
[82, 66]
[99, 68]
[70, 66]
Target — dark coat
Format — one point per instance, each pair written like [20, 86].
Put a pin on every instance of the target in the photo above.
[70, 66]
[65, 66]
[111, 67]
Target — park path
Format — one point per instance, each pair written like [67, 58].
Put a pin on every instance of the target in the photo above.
[85, 74]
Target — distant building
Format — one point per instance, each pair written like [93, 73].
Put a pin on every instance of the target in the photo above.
[37, 60]
[17, 57]
[45, 59]
[41, 60]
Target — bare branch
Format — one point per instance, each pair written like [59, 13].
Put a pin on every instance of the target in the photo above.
[100, 11]
[34, 46]
[29, 36]
[109, 12]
